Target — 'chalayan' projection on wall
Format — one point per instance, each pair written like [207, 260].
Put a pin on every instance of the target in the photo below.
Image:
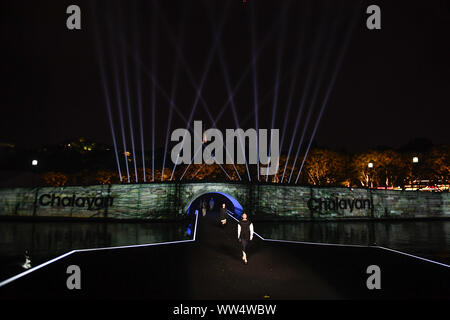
[172, 200]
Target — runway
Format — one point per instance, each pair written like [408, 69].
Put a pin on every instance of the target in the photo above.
[209, 267]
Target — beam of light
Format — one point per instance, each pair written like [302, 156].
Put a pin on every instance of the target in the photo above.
[111, 123]
[318, 85]
[232, 92]
[305, 92]
[216, 41]
[250, 66]
[116, 77]
[199, 89]
[172, 95]
[187, 167]
[198, 150]
[299, 54]
[139, 92]
[277, 73]
[141, 127]
[270, 92]
[331, 85]
[100, 56]
[223, 169]
[214, 122]
[255, 81]
[154, 51]
[151, 75]
[128, 105]
[289, 104]
[247, 69]
[196, 172]
[233, 107]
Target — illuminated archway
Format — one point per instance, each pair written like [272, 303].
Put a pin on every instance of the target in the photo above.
[236, 208]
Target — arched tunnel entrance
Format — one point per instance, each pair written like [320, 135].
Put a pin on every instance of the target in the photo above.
[233, 206]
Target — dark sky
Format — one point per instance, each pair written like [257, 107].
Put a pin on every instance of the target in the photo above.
[392, 86]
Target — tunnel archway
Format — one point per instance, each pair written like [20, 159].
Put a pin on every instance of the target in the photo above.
[233, 205]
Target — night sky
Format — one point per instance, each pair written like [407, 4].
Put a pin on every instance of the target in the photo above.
[392, 85]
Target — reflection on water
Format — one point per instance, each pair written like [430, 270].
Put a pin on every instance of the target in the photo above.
[27, 244]
[430, 239]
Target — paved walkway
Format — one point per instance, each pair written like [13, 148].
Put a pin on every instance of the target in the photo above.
[211, 268]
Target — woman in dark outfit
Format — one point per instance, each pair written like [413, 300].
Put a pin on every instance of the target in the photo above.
[204, 207]
[223, 214]
[245, 234]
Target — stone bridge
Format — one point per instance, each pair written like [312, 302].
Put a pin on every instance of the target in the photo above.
[261, 201]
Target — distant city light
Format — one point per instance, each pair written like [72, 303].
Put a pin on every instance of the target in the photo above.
[34, 162]
[415, 159]
[370, 165]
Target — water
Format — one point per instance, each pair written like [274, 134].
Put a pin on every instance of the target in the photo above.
[42, 241]
[428, 239]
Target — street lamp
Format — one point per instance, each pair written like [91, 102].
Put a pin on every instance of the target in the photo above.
[34, 164]
[369, 182]
[415, 161]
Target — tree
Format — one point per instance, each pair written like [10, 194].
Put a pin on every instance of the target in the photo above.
[106, 177]
[325, 167]
[437, 162]
[285, 169]
[389, 168]
[55, 179]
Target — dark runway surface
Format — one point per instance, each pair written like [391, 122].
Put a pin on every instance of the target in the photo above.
[211, 268]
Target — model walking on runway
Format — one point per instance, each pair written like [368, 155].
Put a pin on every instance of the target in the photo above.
[223, 214]
[245, 234]
[204, 207]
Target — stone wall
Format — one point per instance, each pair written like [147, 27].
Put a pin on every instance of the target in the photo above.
[291, 202]
[150, 201]
[264, 201]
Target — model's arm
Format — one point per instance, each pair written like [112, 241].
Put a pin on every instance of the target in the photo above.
[251, 231]
[239, 230]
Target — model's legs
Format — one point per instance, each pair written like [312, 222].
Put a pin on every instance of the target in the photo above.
[244, 250]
